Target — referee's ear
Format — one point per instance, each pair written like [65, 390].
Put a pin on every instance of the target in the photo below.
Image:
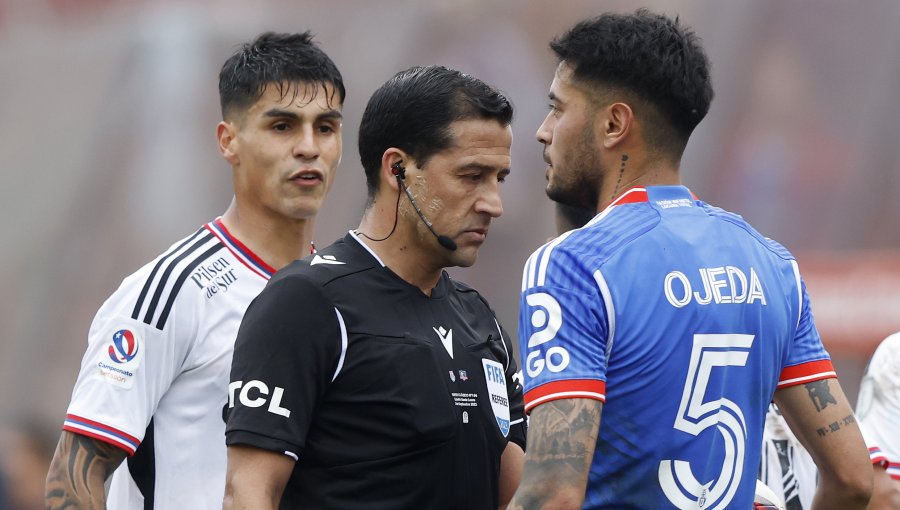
[389, 159]
[225, 136]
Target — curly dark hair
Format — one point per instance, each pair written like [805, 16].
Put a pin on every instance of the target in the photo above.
[279, 59]
[649, 55]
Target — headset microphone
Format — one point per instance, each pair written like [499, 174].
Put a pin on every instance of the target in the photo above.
[400, 173]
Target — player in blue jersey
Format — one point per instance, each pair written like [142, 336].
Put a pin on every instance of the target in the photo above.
[675, 320]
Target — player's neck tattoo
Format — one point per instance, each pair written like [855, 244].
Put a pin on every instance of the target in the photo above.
[615, 192]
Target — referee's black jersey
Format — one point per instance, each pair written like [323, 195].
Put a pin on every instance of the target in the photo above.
[387, 398]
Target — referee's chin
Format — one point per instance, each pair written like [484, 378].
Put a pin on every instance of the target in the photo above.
[462, 256]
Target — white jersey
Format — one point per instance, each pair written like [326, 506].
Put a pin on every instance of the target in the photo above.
[786, 467]
[155, 375]
[878, 407]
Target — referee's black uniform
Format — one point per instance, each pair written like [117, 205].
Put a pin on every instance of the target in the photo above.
[388, 398]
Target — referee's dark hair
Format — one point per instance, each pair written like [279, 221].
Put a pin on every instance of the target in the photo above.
[650, 56]
[281, 60]
[413, 112]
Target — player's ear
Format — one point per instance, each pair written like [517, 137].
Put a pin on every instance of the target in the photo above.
[617, 122]
[226, 136]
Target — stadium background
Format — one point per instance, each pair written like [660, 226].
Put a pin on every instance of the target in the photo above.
[107, 153]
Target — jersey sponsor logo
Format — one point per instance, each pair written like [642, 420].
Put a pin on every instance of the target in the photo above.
[496, 386]
[446, 337]
[324, 259]
[255, 393]
[546, 317]
[719, 285]
[214, 277]
[463, 376]
[121, 358]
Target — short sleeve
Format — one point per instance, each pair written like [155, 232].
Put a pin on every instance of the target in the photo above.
[286, 354]
[807, 359]
[878, 405]
[127, 368]
[562, 329]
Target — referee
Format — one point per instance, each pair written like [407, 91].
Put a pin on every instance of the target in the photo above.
[364, 376]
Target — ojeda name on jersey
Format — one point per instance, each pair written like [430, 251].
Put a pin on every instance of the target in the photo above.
[719, 285]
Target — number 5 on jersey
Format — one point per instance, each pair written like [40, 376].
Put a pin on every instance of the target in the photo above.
[694, 416]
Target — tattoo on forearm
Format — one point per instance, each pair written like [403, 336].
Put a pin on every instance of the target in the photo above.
[560, 450]
[820, 394]
[78, 471]
[835, 426]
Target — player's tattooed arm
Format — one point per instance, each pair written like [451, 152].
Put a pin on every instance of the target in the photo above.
[562, 435]
[78, 472]
[820, 394]
[820, 416]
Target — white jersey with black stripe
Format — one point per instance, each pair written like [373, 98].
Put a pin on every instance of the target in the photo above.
[154, 378]
[878, 406]
[786, 467]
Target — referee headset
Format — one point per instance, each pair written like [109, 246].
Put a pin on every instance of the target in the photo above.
[400, 173]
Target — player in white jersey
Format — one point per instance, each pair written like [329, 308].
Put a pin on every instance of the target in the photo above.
[878, 409]
[786, 467]
[153, 382]
[674, 319]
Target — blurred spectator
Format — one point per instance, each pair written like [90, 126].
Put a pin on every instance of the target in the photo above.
[26, 448]
[784, 148]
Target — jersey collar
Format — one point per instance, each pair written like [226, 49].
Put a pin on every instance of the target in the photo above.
[253, 261]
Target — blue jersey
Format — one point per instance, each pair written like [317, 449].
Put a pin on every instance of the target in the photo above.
[683, 320]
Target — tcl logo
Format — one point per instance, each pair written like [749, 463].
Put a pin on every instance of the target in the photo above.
[546, 317]
[254, 394]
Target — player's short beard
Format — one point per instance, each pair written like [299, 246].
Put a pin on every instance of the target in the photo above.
[577, 176]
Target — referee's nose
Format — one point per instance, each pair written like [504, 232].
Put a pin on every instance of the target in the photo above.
[490, 203]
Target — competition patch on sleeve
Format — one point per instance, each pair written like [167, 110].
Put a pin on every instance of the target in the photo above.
[120, 358]
[496, 386]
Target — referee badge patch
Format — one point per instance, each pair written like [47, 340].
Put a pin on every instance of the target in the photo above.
[496, 386]
[120, 357]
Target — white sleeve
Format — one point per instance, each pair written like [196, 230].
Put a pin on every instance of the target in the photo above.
[878, 405]
[129, 365]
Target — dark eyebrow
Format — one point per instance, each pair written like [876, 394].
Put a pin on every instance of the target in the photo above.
[279, 113]
[484, 168]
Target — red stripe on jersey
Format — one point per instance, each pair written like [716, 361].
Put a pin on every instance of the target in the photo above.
[631, 196]
[118, 444]
[806, 372]
[572, 388]
[894, 470]
[247, 252]
[636, 195]
[80, 425]
[877, 457]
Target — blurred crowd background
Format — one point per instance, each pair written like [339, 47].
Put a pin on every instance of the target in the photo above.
[107, 154]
